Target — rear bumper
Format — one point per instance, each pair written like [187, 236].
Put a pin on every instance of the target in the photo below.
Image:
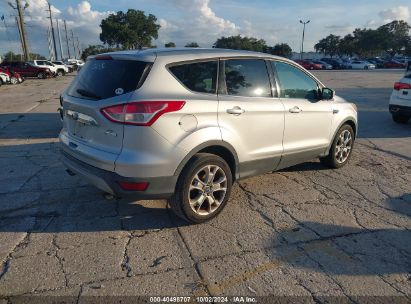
[400, 110]
[107, 181]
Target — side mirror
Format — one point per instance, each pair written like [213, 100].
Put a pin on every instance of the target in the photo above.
[327, 94]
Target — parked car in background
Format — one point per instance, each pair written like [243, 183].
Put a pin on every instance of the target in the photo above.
[325, 65]
[74, 63]
[45, 64]
[15, 78]
[4, 78]
[379, 63]
[309, 65]
[28, 70]
[362, 65]
[193, 130]
[394, 64]
[346, 63]
[336, 63]
[62, 69]
[400, 101]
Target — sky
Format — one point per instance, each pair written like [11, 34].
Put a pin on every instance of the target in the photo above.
[203, 21]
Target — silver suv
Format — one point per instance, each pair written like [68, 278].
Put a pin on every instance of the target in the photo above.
[184, 124]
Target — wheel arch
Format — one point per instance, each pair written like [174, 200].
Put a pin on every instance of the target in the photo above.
[348, 121]
[219, 148]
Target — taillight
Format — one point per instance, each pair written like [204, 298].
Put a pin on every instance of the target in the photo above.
[402, 86]
[142, 113]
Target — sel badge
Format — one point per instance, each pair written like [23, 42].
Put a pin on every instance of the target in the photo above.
[119, 91]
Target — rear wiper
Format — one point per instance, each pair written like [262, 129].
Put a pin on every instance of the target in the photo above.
[88, 94]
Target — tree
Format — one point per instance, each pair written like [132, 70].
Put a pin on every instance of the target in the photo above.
[192, 45]
[11, 56]
[96, 49]
[328, 45]
[367, 42]
[241, 43]
[394, 36]
[280, 49]
[170, 44]
[346, 46]
[132, 29]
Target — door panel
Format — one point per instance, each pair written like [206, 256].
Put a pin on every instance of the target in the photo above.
[307, 119]
[253, 124]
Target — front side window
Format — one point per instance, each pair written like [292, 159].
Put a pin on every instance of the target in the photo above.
[247, 77]
[200, 77]
[295, 83]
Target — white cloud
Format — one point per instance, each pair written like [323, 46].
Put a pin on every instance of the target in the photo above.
[199, 23]
[395, 13]
[208, 16]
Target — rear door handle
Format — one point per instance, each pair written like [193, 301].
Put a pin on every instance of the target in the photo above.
[236, 111]
[295, 110]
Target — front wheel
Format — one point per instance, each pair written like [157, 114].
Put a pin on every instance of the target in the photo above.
[203, 188]
[60, 73]
[14, 80]
[41, 75]
[341, 148]
[400, 119]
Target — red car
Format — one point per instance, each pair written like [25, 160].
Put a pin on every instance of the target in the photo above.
[309, 65]
[393, 64]
[15, 78]
[27, 70]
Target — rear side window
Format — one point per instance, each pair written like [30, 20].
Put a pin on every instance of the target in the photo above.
[101, 79]
[247, 77]
[199, 77]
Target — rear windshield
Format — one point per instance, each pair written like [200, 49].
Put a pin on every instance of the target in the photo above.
[101, 79]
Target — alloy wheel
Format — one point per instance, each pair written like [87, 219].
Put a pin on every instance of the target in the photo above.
[207, 190]
[343, 146]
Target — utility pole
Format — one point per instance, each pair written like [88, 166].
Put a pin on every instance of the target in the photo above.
[50, 45]
[21, 37]
[67, 40]
[52, 32]
[78, 48]
[58, 34]
[72, 40]
[302, 42]
[22, 29]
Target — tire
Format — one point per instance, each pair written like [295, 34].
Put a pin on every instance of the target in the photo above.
[400, 119]
[41, 75]
[207, 203]
[366, 68]
[14, 80]
[60, 73]
[339, 154]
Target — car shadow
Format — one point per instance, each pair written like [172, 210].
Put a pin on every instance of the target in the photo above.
[340, 250]
[401, 204]
[29, 125]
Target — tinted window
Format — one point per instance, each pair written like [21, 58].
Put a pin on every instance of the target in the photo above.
[295, 83]
[247, 77]
[101, 79]
[198, 77]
